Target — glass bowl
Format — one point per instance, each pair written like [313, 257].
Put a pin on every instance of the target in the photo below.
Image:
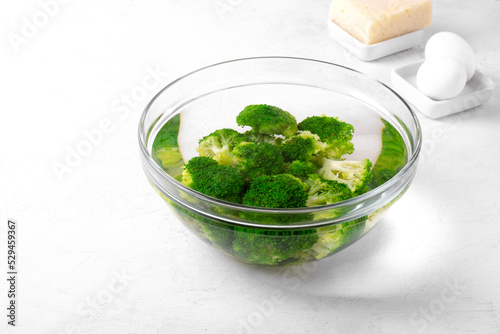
[386, 131]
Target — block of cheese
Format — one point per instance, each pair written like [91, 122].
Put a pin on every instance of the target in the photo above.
[374, 21]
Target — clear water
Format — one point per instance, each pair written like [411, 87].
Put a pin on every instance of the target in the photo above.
[176, 139]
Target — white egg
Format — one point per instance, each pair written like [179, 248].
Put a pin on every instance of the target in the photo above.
[441, 78]
[450, 44]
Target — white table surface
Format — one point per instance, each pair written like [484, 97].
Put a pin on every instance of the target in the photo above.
[101, 253]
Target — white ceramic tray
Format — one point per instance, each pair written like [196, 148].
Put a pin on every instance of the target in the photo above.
[370, 52]
[476, 92]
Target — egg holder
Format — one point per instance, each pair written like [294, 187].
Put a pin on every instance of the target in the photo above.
[477, 91]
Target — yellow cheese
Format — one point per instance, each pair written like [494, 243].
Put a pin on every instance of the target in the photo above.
[374, 21]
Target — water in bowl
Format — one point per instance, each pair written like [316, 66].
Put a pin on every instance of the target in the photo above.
[176, 137]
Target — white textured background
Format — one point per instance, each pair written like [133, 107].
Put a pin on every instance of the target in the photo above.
[101, 253]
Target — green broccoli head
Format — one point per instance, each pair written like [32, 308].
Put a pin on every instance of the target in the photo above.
[266, 119]
[220, 144]
[355, 174]
[302, 146]
[205, 175]
[332, 131]
[277, 191]
[271, 247]
[256, 159]
[301, 169]
[323, 192]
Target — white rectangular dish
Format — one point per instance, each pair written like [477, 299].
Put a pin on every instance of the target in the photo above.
[476, 92]
[369, 52]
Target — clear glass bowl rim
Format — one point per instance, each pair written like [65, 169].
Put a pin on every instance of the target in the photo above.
[142, 134]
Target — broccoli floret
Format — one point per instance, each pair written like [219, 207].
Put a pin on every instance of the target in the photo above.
[277, 191]
[301, 169]
[302, 146]
[219, 235]
[271, 247]
[205, 175]
[334, 132]
[194, 166]
[219, 145]
[355, 174]
[333, 238]
[263, 138]
[323, 192]
[268, 120]
[256, 159]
